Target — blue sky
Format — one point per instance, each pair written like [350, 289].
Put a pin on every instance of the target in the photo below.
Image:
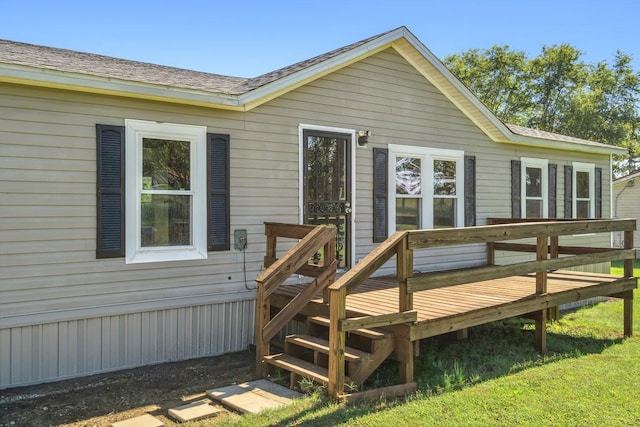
[247, 38]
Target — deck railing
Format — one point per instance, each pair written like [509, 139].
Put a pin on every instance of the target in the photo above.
[549, 256]
[312, 239]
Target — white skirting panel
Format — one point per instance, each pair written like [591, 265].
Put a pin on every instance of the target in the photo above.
[56, 351]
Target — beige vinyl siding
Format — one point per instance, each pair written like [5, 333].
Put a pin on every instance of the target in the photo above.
[50, 275]
[627, 200]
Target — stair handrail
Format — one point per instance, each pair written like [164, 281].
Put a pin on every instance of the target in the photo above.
[312, 239]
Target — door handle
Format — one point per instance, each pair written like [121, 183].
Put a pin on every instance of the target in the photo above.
[347, 208]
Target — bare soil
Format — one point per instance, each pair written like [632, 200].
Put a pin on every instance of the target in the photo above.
[100, 400]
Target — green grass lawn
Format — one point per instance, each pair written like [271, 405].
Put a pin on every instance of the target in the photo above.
[590, 377]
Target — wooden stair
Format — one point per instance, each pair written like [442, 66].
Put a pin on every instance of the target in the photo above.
[306, 355]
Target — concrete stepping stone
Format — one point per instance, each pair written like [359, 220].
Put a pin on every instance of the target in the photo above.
[194, 411]
[145, 420]
[253, 396]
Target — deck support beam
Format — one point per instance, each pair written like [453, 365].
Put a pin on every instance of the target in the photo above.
[628, 300]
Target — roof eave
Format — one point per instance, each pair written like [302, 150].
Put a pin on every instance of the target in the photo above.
[563, 145]
[19, 74]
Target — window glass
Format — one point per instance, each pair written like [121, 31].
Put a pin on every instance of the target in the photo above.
[427, 189]
[165, 164]
[534, 203]
[534, 182]
[582, 185]
[408, 176]
[407, 214]
[165, 220]
[444, 177]
[444, 213]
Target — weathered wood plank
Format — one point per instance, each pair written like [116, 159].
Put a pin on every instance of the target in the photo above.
[370, 263]
[297, 256]
[419, 239]
[559, 250]
[297, 303]
[290, 231]
[455, 277]
[337, 341]
[367, 322]
[376, 394]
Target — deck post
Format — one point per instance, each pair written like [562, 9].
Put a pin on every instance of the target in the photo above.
[541, 288]
[404, 352]
[337, 341]
[329, 257]
[628, 315]
[262, 318]
[404, 267]
[541, 331]
[628, 272]
[554, 312]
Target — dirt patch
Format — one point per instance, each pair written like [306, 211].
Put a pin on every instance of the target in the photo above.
[100, 400]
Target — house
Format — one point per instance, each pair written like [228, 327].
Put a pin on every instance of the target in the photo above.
[134, 195]
[626, 203]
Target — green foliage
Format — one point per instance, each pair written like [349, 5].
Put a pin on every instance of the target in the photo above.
[558, 92]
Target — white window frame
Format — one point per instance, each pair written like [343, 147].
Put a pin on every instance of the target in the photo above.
[136, 130]
[591, 169]
[427, 156]
[543, 164]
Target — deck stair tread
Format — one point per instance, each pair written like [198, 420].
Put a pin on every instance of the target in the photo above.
[300, 367]
[322, 345]
[373, 334]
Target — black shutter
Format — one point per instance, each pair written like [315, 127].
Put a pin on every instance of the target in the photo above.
[218, 216]
[568, 191]
[380, 195]
[553, 190]
[598, 189]
[469, 191]
[110, 191]
[516, 191]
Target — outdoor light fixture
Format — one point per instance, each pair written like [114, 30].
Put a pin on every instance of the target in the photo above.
[363, 137]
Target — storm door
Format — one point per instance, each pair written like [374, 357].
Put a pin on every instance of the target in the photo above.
[327, 187]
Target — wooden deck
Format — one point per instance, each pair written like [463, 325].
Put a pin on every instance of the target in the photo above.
[462, 306]
[410, 306]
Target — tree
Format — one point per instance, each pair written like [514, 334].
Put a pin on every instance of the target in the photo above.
[557, 92]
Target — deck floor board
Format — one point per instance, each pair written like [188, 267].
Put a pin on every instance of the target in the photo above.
[380, 295]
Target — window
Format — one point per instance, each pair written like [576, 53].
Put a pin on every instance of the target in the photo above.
[176, 190]
[428, 190]
[584, 190]
[535, 202]
[165, 213]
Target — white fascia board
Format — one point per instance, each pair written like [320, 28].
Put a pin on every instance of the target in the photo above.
[509, 136]
[564, 145]
[87, 83]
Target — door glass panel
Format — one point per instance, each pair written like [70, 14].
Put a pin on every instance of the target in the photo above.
[327, 199]
[444, 178]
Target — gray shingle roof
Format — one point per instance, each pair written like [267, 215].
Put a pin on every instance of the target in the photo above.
[104, 66]
[535, 133]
